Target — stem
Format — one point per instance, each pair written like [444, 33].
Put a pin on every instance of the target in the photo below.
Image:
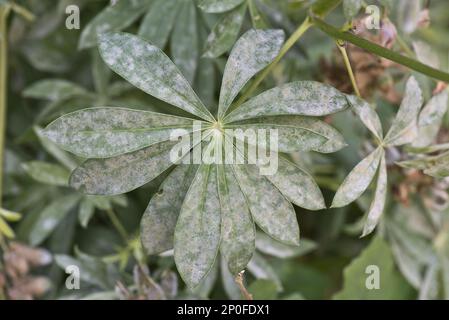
[381, 51]
[288, 44]
[117, 224]
[239, 281]
[4, 11]
[404, 46]
[344, 53]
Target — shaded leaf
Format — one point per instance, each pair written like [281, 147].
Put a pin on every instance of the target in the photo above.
[229, 285]
[261, 269]
[86, 211]
[159, 219]
[218, 6]
[268, 245]
[250, 54]
[358, 179]
[405, 127]
[197, 232]
[237, 227]
[263, 289]
[351, 8]
[409, 14]
[149, 69]
[305, 98]
[112, 18]
[54, 90]
[47, 173]
[224, 33]
[159, 21]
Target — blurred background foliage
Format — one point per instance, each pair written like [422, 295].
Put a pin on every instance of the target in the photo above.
[53, 70]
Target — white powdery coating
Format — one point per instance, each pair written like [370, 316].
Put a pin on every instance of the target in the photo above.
[251, 53]
[148, 68]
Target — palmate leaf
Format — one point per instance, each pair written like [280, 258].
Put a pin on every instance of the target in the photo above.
[251, 53]
[149, 69]
[304, 98]
[110, 131]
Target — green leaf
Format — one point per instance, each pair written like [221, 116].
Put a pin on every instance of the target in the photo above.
[159, 21]
[269, 246]
[197, 233]
[426, 54]
[122, 173]
[270, 210]
[263, 289]
[297, 185]
[261, 269]
[405, 126]
[229, 285]
[101, 74]
[358, 179]
[107, 131]
[218, 6]
[184, 41]
[86, 211]
[252, 52]
[367, 115]
[409, 14]
[237, 228]
[351, 8]
[6, 230]
[149, 69]
[50, 217]
[378, 204]
[430, 120]
[54, 90]
[47, 173]
[440, 167]
[224, 33]
[159, 220]
[392, 284]
[10, 215]
[323, 7]
[304, 98]
[112, 18]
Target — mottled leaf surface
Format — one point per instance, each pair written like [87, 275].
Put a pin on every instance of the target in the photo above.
[112, 18]
[149, 69]
[224, 33]
[237, 227]
[378, 204]
[197, 233]
[272, 212]
[251, 53]
[306, 98]
[107, 132]
[218, 6]
[159, 220]
[367, 115]
[405, 126]
[358, 179]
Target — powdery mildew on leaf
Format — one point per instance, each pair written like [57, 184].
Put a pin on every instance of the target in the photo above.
[112, 18]
[218, 6]
[272, 212]
[237, 227]
[367, 115]
[197, 233]
[378, 204]
[106, 132]
[159, 21]
[251, 53]
[405, 127]
[358, 179]
[304, 98]
[159, 220]
[149, 69]
[122, 173]
[224, 33]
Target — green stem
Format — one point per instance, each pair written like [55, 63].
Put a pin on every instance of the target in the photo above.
[344, 53]
[404, 46]
[288, 44]
[381, 51]
[4, 11]
[117, 224]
